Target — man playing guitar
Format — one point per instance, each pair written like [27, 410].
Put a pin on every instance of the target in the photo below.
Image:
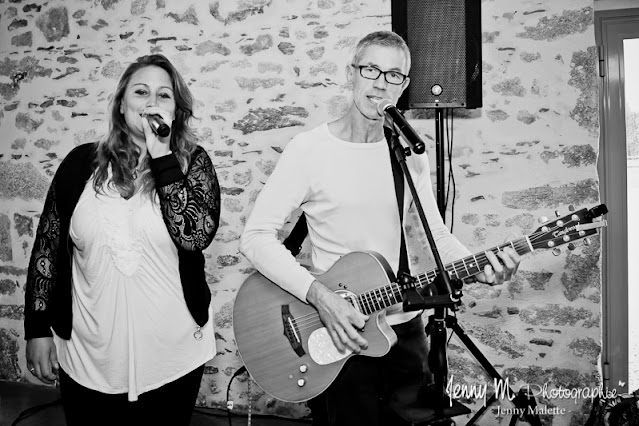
[340, 175]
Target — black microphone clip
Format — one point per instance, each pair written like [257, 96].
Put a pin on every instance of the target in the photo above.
[388, 108]
[158, 125]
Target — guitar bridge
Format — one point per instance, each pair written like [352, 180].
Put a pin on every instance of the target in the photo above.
[291, 331]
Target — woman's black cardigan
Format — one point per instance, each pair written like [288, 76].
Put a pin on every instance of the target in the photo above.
[190, 207]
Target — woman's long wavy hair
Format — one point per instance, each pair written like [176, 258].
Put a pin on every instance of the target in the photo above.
[119, 151]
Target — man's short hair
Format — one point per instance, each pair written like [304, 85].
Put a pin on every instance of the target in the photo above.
[381, 38]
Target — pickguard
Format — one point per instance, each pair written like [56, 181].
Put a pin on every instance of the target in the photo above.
[322, 350]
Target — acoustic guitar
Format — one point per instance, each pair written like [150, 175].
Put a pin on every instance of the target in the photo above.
[289, 353]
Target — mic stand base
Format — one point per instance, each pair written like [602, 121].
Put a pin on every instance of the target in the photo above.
[412, 405]
[428, 404]
[422, 404]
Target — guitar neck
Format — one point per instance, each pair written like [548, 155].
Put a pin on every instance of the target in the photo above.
[384, 297]
[474, 264]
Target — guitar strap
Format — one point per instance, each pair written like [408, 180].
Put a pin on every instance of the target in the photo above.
[295, 239]
[398, 177]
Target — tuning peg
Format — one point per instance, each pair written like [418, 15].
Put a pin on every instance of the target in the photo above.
[543, 219]
[556, 251]
[587, 241]
[571, 208]
[571, 246]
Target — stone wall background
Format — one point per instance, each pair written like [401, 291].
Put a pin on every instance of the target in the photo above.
[264, 70]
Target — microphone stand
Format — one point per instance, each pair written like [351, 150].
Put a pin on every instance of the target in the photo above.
[430, 404]
[447, 296]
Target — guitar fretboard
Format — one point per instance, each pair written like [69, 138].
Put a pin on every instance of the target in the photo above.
[386, 296]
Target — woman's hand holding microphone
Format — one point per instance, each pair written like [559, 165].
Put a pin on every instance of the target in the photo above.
[157, 131]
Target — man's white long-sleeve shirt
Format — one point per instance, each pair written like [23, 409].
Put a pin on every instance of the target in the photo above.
[347, 192]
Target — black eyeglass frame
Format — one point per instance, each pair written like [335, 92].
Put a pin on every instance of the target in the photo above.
[380, 72]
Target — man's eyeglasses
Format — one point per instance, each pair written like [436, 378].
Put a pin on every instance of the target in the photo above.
[372, 73]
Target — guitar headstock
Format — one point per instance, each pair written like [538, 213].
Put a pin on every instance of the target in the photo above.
[569, 228]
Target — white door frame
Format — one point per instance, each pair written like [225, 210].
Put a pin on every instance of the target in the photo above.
[611, 28]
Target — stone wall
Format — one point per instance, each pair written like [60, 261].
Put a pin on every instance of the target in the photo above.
[262, 71]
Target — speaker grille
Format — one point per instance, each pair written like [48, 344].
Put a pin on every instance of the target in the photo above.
[444, 37]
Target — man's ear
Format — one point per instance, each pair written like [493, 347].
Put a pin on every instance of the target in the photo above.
[349, 74]
[405, 85]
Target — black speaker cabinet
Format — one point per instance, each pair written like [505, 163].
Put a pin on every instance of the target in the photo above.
[444, 37]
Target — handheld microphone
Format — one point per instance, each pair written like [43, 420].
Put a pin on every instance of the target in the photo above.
[385, 106]
[158, 125]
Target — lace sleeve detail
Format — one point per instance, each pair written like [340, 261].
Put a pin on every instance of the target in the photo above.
[42, 272]
[191, 205]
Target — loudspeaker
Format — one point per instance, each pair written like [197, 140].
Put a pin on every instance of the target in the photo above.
[444, 37]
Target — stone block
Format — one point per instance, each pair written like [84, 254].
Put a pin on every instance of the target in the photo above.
[54, 24]
[9, 369]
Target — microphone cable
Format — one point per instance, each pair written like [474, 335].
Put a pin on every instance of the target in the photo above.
[451, 174]
[33, 410]
[229, 402]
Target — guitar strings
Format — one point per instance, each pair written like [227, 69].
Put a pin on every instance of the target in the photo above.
[367, 301]
[363, 300]
[480, 261]
[483, 258]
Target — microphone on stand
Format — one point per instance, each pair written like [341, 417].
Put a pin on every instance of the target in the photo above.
[158, 125]
[388, 108]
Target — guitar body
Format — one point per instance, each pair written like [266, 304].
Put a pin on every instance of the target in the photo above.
[281, 340]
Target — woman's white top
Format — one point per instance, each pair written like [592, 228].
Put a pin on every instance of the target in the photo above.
[132, 331]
